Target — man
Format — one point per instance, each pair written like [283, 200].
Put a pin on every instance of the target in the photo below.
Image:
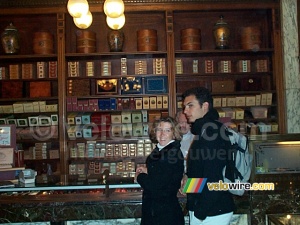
[187, 136]
[206, 159]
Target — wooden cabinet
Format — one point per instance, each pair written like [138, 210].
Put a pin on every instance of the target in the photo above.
[108, 88]
[241, 77]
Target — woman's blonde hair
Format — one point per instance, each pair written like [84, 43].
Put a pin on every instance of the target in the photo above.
[174, 126]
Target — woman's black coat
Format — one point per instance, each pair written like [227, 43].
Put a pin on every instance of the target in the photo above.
[160, 186]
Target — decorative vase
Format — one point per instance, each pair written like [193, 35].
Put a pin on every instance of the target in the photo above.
[10, 40]
[221, 34]
[115, 40]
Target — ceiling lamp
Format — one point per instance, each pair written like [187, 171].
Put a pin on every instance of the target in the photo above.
[114, 8]
[84, 21]
[77, 8]
[116, 23]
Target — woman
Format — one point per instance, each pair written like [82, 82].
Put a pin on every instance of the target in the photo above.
[161, 178]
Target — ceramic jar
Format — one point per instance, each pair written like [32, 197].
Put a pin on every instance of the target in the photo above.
[10, 40]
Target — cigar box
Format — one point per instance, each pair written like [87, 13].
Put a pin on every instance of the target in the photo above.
[14, 72]
[224, 66]
[52, 69]
[105, 68]
[217, 101]
[165, 102]
[27, 71]
[179, 66]
[261, 65]
[250, 100]
[12, 89]
[195, 66]
[131, 85]
[137, 129]
[126, 117]
[40, 89]
[159, 102]
[230, 101]
[123, 66]
[244, 66]
[239, 113]
[116, 118]
[223, 86]
[136, 117]
[116, 130]
[250, 84]
[138, 103]
[3, 73]
[73, 69]
[209, 66]
[140, 67]
[146, 103]
[159, 66]
[90, 70]
[259, 112]
[156, 85]
[127, 130]
[240, 101]
[41, 69]
[153, 102]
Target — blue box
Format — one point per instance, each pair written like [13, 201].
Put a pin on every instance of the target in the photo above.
[156, 85]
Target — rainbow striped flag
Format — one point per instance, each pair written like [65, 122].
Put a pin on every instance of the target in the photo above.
[194, 185]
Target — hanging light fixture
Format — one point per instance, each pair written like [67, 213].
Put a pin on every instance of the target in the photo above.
[77, 8]
[116, 23]
[84, 21]
[114, 8]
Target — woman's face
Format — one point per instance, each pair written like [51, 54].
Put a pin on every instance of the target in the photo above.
[164, 133]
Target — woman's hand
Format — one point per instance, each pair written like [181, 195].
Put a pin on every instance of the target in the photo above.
[183, 182]
[141, 169]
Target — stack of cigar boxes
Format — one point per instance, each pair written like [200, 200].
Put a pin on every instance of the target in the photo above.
[140, 67]
[105, 68]
[159, 66]
[73, 69]
[90, 69]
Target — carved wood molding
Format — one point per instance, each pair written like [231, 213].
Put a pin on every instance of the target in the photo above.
[51, 3]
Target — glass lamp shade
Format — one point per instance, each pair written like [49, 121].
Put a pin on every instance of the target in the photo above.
[77, 8]
[116, 23]
[113, 8]
[84, 21]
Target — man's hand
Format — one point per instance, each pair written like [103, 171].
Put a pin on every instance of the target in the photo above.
[183, 182]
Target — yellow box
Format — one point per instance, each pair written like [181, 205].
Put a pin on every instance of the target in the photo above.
[257, 99]
[263, 99]
[269, 99]
[221, 112]
[146, 103]
[165, 102]
[138, 103]
[231, 101]
[152, 102]
[239, 113]
[224, 102]
[159, 102]
[240, 101]
[116, 118]
[217, 102]
[250, 100]
[274, 127]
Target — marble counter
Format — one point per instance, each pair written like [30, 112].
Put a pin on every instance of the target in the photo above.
[90, 206]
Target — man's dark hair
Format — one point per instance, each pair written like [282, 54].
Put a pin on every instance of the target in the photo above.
[202, 94]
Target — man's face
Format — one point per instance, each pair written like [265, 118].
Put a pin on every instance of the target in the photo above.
[192, 108]
[183, 123]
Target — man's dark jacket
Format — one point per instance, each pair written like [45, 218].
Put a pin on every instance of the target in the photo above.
[206, 159]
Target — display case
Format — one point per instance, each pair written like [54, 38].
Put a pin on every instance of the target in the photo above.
[84, 99]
